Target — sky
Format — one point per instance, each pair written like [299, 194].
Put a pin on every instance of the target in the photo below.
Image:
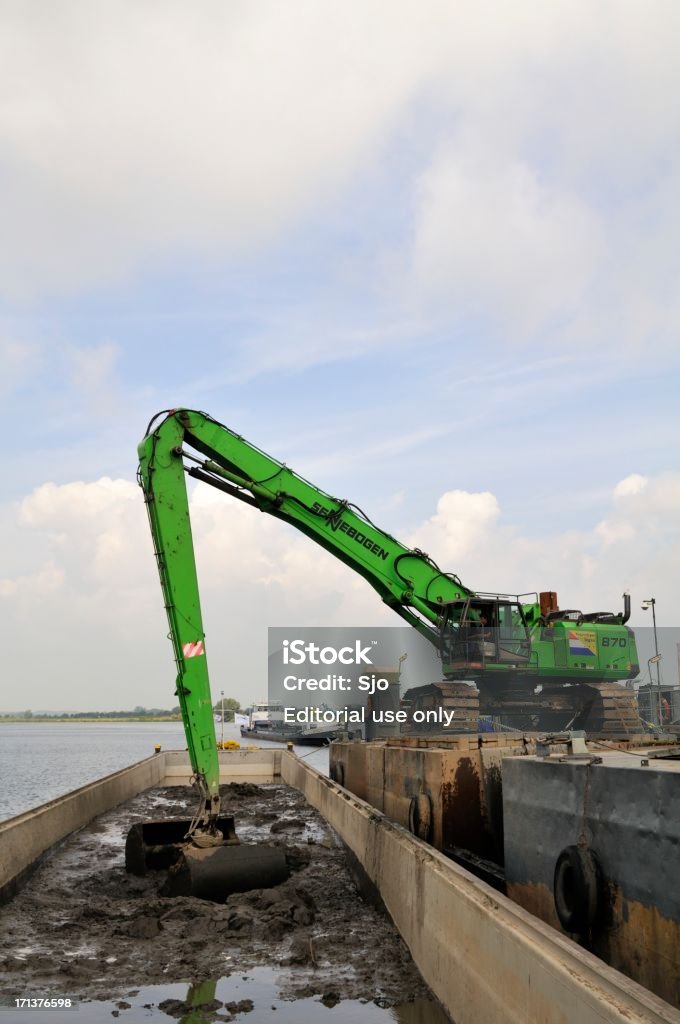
[427, 254]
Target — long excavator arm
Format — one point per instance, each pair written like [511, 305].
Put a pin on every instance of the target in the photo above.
[186, 442]
[539, 643]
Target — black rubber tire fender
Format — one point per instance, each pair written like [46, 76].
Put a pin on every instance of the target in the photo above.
[420, 817]
[577, 889]
[337, 773]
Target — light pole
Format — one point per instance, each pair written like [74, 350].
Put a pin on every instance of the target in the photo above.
[222, 696]
[651, 603]
[654, 661]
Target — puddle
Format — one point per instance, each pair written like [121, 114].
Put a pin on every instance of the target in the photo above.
[249, 998]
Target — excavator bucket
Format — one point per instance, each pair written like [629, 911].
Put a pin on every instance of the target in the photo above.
[156, 845]
[215, 873]
[210, 873]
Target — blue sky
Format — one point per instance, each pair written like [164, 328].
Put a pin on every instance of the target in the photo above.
[411, 257]
[362, 407]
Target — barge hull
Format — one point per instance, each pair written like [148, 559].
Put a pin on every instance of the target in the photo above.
[484, 957]
[299, 739]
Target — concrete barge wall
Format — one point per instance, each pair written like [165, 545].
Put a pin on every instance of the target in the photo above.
[485, 958]
[24, 839]
[235, 766]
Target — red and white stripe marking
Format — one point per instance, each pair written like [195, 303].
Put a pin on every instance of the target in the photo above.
[192, 650]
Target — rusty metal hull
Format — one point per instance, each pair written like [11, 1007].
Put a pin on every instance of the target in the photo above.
[513, 839]
[459, 775]
[628, 817]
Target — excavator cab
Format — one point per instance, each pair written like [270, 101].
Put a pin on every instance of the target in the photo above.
[486, 631]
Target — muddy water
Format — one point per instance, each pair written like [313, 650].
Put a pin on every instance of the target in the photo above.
[251, 997]
[310, 947]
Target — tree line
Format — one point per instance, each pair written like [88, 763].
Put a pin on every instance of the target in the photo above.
[230, 707]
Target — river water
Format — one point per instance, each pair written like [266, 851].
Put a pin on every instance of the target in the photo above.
[43, 760]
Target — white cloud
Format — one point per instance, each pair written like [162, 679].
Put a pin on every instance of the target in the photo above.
[31, 587]
[84, 504]
[636, 547]
[130, 129]
[457, 527]
[613, 532]
[496, 234]
[88, 570]
[134, 131]
[545, 207]
[89, 573]
[631, 485]
[645, 508]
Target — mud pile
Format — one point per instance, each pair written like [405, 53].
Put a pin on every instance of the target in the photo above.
[83, 927]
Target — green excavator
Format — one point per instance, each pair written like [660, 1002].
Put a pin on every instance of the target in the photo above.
[517, 658]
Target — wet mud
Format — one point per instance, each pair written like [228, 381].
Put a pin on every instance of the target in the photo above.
[84, 928]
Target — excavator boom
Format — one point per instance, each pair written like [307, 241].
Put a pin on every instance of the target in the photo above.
[505, 644]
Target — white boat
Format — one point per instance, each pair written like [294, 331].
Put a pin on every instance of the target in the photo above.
[263, 716]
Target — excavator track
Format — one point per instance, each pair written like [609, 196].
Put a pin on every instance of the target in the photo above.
[461, 698]
[605, 710]
[601, 709]
[610, 710]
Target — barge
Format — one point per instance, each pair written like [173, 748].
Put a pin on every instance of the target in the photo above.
[316, 738]
[265, 721]
[484, 957]
[583, 834]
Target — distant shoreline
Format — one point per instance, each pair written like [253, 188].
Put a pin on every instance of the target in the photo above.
[49, 719]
